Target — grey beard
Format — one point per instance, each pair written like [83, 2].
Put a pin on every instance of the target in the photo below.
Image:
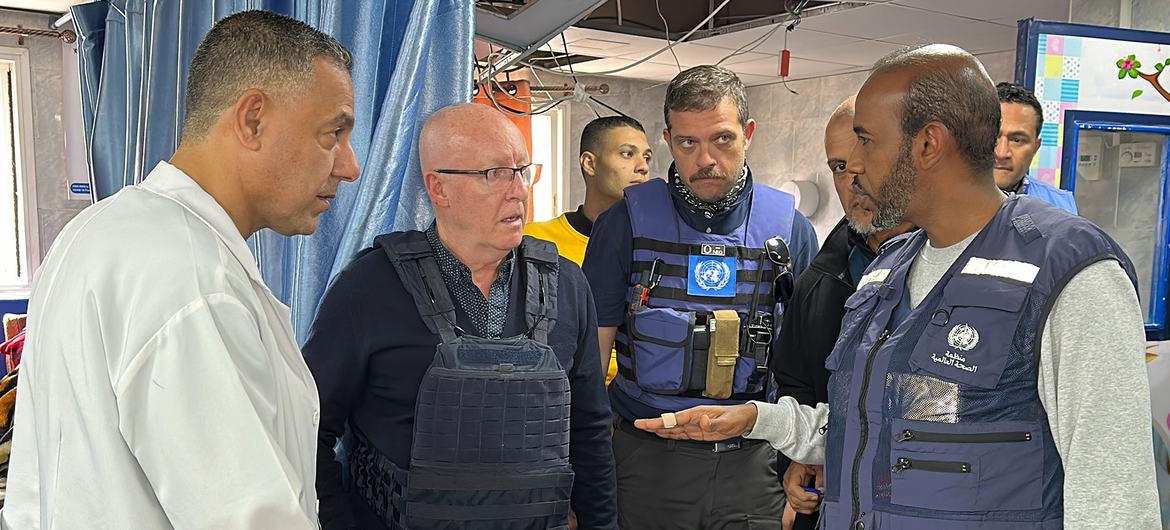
[859, 227]
[894, 197]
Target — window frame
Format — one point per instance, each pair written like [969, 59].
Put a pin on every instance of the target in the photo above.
[24, 126]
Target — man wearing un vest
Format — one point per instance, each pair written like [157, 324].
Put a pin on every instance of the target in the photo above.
[683, 272]
[990, 371]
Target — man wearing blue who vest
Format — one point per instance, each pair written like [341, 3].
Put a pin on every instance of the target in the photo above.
[990, 368]
[1021, 118]
[684, 272]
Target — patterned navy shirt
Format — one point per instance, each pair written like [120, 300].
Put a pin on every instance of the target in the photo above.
[488, 315]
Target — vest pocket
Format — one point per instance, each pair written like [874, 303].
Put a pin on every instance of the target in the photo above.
[661, 344]
[969, 337]
[934, 481]
[966, 466]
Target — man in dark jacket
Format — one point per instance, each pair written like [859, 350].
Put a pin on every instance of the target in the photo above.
[818, 302]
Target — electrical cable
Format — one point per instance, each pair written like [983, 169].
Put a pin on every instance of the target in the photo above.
[668, 47]
[665, 27]
[603, 104]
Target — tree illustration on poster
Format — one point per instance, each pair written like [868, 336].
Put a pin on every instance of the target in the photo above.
[1128, 67]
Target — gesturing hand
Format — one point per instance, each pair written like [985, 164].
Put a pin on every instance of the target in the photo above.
[705, 423]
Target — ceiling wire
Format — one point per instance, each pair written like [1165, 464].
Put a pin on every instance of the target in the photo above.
[666, 27]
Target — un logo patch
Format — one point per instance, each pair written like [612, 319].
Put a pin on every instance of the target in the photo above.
[711, 276]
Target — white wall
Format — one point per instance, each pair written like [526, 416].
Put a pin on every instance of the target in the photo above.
[54, 207]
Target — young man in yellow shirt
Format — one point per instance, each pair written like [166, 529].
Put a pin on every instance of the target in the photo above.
[614, 154]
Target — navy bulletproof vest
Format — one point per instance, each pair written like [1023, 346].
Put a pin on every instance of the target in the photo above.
[662, 359]
[936, 418]
[491, 427]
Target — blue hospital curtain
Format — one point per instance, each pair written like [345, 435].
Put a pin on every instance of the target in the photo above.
[133, 61]
[411, 57]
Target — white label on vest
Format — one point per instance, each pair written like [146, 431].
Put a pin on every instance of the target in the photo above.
[711, 249]
[1019, 271]
[878, 275]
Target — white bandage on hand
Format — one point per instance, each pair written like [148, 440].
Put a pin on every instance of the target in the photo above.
[668, 420]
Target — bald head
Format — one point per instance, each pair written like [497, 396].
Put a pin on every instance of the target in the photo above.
[461, 131]
[840, 126]
[945, 84]
[844, 110]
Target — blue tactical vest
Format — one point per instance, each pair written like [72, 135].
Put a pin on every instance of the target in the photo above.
[661, 349]
[491, 428]
[1050, 194]
[936, 418]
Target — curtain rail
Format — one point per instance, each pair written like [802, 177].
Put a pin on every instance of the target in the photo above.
[66, 36]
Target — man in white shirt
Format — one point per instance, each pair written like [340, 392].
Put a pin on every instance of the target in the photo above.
[990, 369]
[162, 385]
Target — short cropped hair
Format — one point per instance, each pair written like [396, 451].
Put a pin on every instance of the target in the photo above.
[596, 129]
[252, 49]
[1013, 93]
[961, 99]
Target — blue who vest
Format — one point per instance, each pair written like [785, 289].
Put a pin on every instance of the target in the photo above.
[1050, 194]
[936, 418]
[490, 446]
[661, 348]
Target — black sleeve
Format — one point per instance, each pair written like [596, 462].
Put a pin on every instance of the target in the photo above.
[790, 358]
[335, 355]
[607, 264]
[590, 453]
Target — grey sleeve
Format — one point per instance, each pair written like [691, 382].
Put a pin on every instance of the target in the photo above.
[1095, 390]
[792, 428]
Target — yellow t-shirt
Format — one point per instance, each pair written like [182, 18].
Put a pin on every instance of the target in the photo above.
[571, 244]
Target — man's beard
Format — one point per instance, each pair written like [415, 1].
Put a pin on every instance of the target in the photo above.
[893, 198]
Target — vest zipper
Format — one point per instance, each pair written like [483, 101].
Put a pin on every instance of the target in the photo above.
[937, 466]
[909, 435]
[864, 423]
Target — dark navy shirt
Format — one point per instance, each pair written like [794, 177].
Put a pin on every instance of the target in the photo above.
[369, 350]
[488, 314]
[610, 254]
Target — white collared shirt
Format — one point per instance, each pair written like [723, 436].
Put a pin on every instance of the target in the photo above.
[161, 385]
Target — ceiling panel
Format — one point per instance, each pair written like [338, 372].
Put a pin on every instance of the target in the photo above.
[695, 54]
[605, 44]
[877, 21]
[732, 41]
[52, 6]
[858, 53]
[995, 10]
[972, 36]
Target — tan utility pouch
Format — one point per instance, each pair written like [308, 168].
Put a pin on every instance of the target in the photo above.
[723, 354]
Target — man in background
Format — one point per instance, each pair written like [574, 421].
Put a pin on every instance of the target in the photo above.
[1021, 119]
[614, 155]
[162, 386]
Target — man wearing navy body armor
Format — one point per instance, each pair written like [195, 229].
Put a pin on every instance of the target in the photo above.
[463, 359]
[990, 368]
[684, 271]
